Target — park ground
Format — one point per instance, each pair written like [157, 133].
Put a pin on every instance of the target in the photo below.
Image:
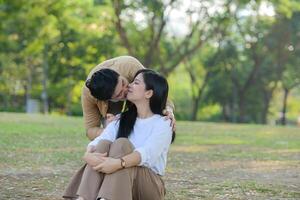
[38, 154]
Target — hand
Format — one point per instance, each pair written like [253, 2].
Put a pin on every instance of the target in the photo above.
[90, 149]
[109, 118]
[170, 115]
[94, 159]
[109, 165]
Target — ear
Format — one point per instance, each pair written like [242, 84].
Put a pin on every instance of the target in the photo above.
[148, 94]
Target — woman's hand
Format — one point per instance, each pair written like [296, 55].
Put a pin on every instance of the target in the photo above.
[109, 165]
[170, 115]
[94, 159]
[90, 148]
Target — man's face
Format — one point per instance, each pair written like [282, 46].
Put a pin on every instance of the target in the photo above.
[120, 90]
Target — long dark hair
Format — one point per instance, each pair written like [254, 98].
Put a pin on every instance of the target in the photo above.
[159, 85]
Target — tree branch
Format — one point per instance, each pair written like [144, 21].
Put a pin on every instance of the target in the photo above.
[120, 28]
[155, 40]
[179, 57]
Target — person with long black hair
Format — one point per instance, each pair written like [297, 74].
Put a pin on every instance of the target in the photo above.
[127, 161]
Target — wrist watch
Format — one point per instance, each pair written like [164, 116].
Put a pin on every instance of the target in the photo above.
[123, 163]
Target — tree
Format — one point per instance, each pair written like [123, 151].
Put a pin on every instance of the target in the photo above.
[48, 46]
[149, 40]
[290, 77]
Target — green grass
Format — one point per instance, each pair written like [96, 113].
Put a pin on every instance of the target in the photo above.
[38, 155]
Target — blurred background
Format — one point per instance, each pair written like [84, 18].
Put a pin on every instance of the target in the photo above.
[226, 60]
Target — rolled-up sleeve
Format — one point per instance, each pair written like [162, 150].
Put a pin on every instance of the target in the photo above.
[158, 142]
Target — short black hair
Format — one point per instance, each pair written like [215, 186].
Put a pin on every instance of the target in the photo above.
[102, 84]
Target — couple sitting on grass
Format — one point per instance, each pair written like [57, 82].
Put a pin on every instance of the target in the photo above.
[128, 159]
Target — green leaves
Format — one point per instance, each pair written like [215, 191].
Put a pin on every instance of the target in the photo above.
[237, 56]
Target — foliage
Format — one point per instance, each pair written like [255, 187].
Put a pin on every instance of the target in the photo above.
[233, 56]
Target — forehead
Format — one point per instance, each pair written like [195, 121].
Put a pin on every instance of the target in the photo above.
[118, 83]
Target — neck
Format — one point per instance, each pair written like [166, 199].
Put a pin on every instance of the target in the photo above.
[143, 110]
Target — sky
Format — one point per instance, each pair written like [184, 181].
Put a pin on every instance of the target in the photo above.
[179, 19]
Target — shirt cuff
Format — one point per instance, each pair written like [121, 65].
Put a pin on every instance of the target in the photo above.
[143, 154]
[92, 143]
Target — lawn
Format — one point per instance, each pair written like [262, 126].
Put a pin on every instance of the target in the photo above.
[38, 154]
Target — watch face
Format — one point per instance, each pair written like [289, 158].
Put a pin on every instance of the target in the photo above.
[123, 163]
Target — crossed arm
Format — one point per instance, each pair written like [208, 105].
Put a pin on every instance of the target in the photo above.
[145, 155]
[101, 163]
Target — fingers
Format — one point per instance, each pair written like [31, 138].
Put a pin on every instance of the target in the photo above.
[94, 159]
[170, 116]
[101, 157]
[98, 167]
[174, 127]
[90, 148]
[165, 112]
[173, 124]
[90, 160]
[109, 116]
[100, 154]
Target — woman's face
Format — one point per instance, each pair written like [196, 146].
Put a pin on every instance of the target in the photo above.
[137, 89]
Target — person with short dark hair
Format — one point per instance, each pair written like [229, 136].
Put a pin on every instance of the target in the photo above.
[127, 161]
[98, 84]
[105, 90]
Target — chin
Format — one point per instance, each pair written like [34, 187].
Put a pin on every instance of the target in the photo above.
[128, 96]
[131, 98]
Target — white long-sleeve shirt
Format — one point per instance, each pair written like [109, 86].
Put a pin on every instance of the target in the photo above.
[151, 137]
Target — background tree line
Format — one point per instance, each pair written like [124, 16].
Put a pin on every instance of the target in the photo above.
[229, 60]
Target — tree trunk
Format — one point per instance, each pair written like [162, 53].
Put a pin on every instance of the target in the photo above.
[234, 104]
[44, 82]
[69, 102]
[197, 99]
[226, 110]
[284, 105]
[28, 89]
[266, 105]
[241, 103]
[267, 94]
